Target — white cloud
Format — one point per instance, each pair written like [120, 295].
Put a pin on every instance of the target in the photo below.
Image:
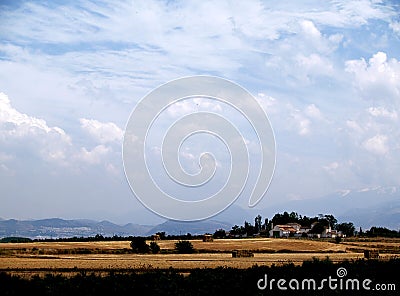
[354, 126]
[395, 26]
[50, 143]
[377, 144]
[382, 112]
[102, 132]
[302, 123]
[22, 135]
[313, 112]
[314, 65]
[188, 106]
[331, 167]
[309, 29]
[379, 78]
[94, 156]
[304, 127]
[25, 124]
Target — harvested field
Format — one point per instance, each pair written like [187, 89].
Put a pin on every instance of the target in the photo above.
[163, 261]
[384, 246]
[268, 245]
[56, 256]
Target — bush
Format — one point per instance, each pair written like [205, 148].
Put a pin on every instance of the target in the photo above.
[338, 239]
[184, 247]
[154, 248]
[138, 245]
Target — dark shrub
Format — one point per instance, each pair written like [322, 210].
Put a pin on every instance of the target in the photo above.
[184, 247]
[138, 245]
[154, 248]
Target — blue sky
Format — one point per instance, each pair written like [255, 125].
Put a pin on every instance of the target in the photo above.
[326, 72]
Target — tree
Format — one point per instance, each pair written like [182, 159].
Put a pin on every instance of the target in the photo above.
[154, 248]
[331, 220]
[238, 230]
[184, 247]
[235, 230]
[257, 224]
[266, 225]
[138, 245]
[220, 233]
[99, 237]
[382, 231]
[293, 217]
[248, 229]
[318, 228]
[161, 234]
[307, 221]
[346, 228]
[285, 218]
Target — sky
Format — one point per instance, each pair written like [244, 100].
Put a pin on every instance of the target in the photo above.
[327, 74]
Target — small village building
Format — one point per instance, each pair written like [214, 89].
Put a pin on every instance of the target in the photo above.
[285, 230]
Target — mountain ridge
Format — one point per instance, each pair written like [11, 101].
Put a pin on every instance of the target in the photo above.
[63, 228]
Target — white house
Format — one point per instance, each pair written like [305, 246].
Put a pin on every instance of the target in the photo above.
[282, 230]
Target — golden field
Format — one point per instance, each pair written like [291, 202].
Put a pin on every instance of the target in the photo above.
[57, 256]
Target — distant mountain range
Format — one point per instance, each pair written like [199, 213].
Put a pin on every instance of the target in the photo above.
[55, 228]
[379, 206]
[60, 228]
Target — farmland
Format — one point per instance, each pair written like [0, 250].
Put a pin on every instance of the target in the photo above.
[41, 257]
[110, 267]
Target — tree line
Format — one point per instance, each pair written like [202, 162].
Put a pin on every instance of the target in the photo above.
[319, 222]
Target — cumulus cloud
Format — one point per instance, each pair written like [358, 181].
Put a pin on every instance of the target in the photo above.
[382, 112]
[395, 26]
[354, 126]
[102, 132]
[313, 112]
[49, 143]
[377, 144]
[303, 125]
[94, 156]
[22, 135]
[305, 119]
[377, 79]
[309, 29]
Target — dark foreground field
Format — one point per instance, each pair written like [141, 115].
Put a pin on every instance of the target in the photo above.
[344, 278]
